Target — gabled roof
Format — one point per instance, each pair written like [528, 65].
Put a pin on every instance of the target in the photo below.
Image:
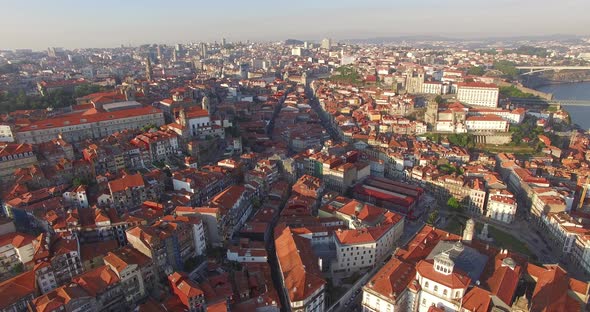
[298, 264]
[16, 288]
[551, 289]
[362, 236]
[125, 256]
[392, 279]
[59, 298]
[184, 288]
[126, 182]
[477, 300]
[97, 281]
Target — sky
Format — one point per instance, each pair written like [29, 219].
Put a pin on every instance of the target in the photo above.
[39, 24]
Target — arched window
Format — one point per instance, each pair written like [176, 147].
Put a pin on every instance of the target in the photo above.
[426, 285]
[435, 287]
[444, 292]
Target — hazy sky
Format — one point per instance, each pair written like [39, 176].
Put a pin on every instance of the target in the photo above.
[38, 24]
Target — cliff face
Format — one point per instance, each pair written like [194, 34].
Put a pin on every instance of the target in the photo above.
[552, 77]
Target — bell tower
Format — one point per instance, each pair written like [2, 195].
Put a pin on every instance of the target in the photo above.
[431, 114]
[205, 103]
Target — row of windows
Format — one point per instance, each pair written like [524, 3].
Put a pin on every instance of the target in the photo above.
[445, 291]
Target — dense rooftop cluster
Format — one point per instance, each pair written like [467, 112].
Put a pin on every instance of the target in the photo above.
[289, 176]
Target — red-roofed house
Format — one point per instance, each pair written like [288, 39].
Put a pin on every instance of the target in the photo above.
[15, 248]
[18, 292]
[301, 276]
[235, 208]
[358, 249]
[131, 190]
[187, 291]
[136, 271]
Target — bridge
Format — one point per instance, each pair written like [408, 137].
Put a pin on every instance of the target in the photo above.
[535, 101]
[538, 69]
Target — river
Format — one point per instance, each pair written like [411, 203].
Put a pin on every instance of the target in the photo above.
[573, 91]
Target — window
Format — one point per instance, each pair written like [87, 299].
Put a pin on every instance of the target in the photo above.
[444, 292]
[435, 287]
[426, 285]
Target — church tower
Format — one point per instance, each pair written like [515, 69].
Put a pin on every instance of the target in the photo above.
[469, 231]
[431, 113]
[205, 103]
[148, 69]
[129, 93]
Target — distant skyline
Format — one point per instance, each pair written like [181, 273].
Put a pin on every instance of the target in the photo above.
[38, 24]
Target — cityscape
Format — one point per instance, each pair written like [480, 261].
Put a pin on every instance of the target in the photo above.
[302, 170]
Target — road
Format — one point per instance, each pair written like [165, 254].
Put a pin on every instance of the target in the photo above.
[315, 104]
[351, 300]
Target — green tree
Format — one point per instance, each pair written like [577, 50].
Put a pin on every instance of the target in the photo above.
[513, 91]
[454, 204]
[432, 217]
[507, 68]
[19, 268]
[463, 139]
[439, 99]
[79, 181]
[85, 89]
[148, 127]
[530, 50]
[256, 203]
[346, 74]
[476, 71]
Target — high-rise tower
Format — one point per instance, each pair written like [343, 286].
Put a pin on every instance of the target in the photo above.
[148, 69]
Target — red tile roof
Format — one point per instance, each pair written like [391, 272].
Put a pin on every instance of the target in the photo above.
[504, 281]
[551, 289]
[477, 85]
[16, 239]
[121, 258]
[89, 116]
[477, 300]
[97, 281]
[228, 198]
[362, 236]
[184, 288]
[58, 298]
[12, 149]
[392, 278]
[423, 243]
[298, 264]
[455, 280]
[16, 288]
[126, 182]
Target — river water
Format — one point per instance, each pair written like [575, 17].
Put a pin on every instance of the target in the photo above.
[573, 91]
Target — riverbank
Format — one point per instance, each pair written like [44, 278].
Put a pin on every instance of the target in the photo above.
[541, 94]
[580, 115]
[554, 83]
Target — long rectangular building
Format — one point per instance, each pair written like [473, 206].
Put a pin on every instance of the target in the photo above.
[390, 194]
[90, 124]
[477, 93]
